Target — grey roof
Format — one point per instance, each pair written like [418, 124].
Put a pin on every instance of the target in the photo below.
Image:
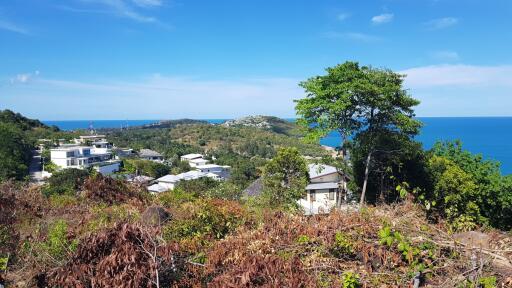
[149, 153]
[320, 186]
[317, 170]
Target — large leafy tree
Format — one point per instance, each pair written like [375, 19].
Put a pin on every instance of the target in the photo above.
[359, 101]
[285, 177]
[15, 152]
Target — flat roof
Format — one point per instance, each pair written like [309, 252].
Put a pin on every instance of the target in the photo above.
[320, 186]
[198, 160]
[169, 178]
[206, 166]
[192, 156]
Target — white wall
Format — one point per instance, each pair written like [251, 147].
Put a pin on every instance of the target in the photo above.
[107, 169]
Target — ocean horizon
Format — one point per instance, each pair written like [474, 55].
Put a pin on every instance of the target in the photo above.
[489, 136]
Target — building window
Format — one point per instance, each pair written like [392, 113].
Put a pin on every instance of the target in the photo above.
[312, 195]
[331, 194]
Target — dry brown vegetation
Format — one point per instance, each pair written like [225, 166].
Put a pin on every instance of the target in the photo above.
[100, 239]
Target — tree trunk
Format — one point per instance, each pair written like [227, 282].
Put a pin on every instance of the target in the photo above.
[366, 173]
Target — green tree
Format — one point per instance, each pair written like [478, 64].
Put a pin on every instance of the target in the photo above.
[285, 177]
[358, 101]
[15, 152]
[65, 182]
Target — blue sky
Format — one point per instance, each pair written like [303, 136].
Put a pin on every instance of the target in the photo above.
[161, 59]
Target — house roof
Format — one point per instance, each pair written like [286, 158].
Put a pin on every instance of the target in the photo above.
[318, 170]
[157, 188]
[320, 186]
[169, 178]
[149, 153]
[209, 166]
[191, 175]
[198, 160]
[192, 156]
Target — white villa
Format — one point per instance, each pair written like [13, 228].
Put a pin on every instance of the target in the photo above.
[169, 182]
[194, 160]
[82, 157]
[324, 190]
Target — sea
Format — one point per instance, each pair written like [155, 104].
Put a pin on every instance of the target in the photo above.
[489, 136]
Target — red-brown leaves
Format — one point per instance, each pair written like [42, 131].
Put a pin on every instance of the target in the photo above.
[128, 255]
[109, 190]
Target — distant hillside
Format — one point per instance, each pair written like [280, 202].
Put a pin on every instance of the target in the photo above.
[22, 122]
[173, 123]
[269, 123]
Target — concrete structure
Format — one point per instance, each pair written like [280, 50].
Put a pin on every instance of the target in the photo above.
[325, 190]
[222, 172]
[87, 139]
[189, 157]
[197, 162]
[82, 157]
[169, 182]
[148, 154]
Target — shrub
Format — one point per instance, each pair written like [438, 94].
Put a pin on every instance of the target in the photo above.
[57, 244]
[110, 190]
[350, 280]
[65, 182]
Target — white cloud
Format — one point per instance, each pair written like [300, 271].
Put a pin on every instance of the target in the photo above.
[24, 77]
[9, 26]
[343, 16]
[353, 36]
[382, 18]
[158, 97]
[122, 8]
[445, 55]
[459, 75]
[441, 23]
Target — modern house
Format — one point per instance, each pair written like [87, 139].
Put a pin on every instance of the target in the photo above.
[148, 154]
[169, 182]
[223, 172]
[82, 157]
[325, 190]
[194, 160]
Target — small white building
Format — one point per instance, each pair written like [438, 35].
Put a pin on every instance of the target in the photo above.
[324, 190]
[222, 172]
[194, 159]
[87, 139]
[197, 162]
[189, 157]
[82, 157]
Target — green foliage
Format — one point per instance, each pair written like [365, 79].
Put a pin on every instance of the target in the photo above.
[360, 101]
[18, 120]
[206, 219]
[146, 167]
[342, 246]
[57, 244]
[175, 197]
[15, 152]
[350, 280]
[226, 190]
[487, 282]
[418, 256]
[105, 216]
[65, 182]
[303, 239]
[285, 178]
[466, 189]
[198, 186]
[3, 263]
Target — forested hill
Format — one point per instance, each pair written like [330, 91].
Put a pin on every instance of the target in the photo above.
[22, 122]
[269, 123]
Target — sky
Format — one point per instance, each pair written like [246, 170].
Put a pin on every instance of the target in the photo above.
[169, 59]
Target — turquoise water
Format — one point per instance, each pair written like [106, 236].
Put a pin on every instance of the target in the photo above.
[490, 136]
